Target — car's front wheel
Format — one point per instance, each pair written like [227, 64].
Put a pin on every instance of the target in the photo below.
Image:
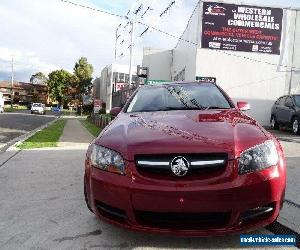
[296, 126]
[274, 123]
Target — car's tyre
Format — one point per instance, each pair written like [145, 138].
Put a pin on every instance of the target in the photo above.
[86, 199]
[274, 123]
[296, 126]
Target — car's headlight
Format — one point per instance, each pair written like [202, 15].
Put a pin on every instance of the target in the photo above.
[107, 160]
[257, 158]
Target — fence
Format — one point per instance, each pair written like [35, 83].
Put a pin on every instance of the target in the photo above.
[120, 97]
[101, 121]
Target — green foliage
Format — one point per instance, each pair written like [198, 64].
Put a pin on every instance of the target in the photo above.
[83, 72]
[93, 129]
[58, 83]
[47, 137]
[38, 78]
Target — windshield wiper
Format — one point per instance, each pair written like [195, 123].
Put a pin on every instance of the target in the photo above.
[215, 107]
[180, 108]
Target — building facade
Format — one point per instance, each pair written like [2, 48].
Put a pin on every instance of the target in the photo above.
[23, 93]
[113, 78]
[260, 66]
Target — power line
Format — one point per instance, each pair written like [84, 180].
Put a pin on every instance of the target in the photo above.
[180, 37]
[167, 9]
[94, 9]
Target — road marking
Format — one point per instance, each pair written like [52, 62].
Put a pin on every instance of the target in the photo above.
[3, 163]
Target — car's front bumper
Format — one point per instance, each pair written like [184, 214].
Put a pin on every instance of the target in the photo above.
[37, 111]
[218, 208]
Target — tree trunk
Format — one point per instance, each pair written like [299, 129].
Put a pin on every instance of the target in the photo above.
[81, 110]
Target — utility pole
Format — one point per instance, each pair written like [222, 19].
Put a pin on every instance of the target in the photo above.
[293, 54]
[12, 82]
[131, 52]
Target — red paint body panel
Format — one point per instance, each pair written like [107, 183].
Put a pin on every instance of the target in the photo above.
[178, 132]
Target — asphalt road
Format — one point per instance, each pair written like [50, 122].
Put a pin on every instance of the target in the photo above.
[13, 125]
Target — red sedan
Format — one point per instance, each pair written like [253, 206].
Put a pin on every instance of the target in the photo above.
[182, 158]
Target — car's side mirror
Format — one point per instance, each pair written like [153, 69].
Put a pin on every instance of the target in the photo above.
[243, 106]
[115, 111]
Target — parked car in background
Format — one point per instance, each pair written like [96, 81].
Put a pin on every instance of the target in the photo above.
[286, 112]
[182, 158]
[29, 105]
[38, 108]
[55, 109]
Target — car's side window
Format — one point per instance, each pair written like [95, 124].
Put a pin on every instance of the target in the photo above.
[280, 101]
[288, 102]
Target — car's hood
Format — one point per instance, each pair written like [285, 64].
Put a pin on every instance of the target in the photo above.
[182, 132]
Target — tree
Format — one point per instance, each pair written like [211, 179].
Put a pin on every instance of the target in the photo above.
[38, 78]
[58, 84]
[83, 72]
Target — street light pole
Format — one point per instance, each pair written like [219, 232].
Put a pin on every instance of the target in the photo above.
[12, 82]
[131, 52]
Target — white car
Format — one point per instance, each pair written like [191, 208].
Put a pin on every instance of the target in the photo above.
[38, 108]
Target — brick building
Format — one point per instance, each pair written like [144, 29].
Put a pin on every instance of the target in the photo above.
[24, 93]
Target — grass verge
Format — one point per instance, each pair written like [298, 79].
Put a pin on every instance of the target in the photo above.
[93, 129]
[48, 137]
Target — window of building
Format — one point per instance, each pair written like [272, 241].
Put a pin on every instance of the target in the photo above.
[127, 78]
[180, 76]
[121, 77]
[115, 76]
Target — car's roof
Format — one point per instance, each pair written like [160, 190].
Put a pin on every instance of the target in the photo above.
[177, 83]
[288, 95]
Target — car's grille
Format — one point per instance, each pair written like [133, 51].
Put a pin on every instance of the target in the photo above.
[182, 221]
[200, 164]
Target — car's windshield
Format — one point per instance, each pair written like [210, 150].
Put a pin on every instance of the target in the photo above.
[178, 97]
[37, 105]
[297, 100]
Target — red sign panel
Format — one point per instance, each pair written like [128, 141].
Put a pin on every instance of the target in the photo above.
[241, 28]
[120, 85]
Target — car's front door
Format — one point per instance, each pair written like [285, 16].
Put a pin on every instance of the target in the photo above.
[288, 110]
[280, 109]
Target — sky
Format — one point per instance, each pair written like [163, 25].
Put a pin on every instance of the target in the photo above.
[46, 35]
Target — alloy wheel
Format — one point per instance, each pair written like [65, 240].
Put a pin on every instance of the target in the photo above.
[295, 126]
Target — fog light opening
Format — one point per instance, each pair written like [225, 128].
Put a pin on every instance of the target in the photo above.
[257, 212]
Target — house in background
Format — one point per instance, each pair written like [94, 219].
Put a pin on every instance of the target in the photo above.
[24, 93]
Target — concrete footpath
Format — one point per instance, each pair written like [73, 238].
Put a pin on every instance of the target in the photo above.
[75, 135]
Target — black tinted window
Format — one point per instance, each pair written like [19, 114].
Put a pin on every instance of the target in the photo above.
[280, 101]
[178, 97]
[289, 102]
[297, 100]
